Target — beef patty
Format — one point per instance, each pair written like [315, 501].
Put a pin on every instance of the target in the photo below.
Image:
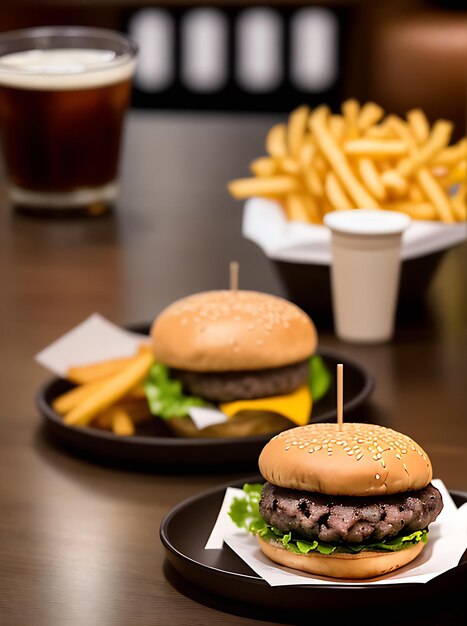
[349, 519]
[245, 385]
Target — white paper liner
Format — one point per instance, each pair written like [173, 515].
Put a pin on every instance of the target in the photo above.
[447, 542]
[95, 339]
[205, 416]
[265, 224]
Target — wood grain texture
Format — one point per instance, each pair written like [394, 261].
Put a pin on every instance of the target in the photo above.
[79, 542]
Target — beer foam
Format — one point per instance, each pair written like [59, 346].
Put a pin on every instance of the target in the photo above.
[64, 69]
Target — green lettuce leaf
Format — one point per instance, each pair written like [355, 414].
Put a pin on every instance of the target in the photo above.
[165, 396]
[244, 512]
[319, 378]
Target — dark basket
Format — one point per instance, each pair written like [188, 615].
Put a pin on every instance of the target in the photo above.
[309, 287]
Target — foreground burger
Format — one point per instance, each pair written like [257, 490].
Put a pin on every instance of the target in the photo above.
[349, 501]
[237, 350]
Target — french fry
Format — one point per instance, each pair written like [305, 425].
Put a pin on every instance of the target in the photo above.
[380, 131]
[290, 166]
[457, 174]
[393, 181]
[321, 165]
[122, 423]
[335, 194]
[452, 154]
[419, 125]
[99, 370]
[68, 400]
[271, 186]
[416, 210]
[312, 209]
[337, 127]
[276, 141]
[434, 192]
[264, 166]
[439, 138]
[375, 148]
[414, 193]
[313, 182]
[371, 177]
[307, 153]
[114, 388]
[351, 109]
[338, 161]
[370, 114]
[296, 129]
[295, 208]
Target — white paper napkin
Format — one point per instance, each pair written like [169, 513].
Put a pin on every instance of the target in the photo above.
[264, 223]
[95, 339]
[447, 543]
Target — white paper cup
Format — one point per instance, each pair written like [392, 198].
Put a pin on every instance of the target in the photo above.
[365, 270]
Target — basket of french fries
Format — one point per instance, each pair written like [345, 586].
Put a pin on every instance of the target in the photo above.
[361, 157]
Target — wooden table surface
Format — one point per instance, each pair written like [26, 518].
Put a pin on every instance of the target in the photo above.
[79, 541]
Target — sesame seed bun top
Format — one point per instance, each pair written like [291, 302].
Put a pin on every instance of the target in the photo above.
[350, 460]
[219, 331]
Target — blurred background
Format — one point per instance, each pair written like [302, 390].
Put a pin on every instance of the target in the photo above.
[272, 56]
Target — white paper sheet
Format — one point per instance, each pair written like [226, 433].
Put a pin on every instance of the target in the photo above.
[95, 339]
[447, 542]
[204, 417]
[265, 224]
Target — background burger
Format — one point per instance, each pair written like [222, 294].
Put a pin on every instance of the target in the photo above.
[349, 501]
[240, 351]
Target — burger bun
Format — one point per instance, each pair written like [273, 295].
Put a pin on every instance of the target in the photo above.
[365, 564]
[228, 331]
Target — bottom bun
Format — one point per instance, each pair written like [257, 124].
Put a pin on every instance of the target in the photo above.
[365, 564]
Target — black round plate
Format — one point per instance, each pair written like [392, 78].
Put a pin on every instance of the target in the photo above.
[185, 530]
[155, 447]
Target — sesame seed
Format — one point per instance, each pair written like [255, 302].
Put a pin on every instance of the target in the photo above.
[377, 476]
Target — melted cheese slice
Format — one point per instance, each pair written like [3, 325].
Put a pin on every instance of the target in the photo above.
[295, 406]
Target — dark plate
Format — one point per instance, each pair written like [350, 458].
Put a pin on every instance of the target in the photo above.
[223, 573]
[154, 446]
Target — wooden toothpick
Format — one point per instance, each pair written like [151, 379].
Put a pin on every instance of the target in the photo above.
[234, 275]
[340, 395]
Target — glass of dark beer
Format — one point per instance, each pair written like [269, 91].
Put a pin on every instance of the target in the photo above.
[64, 93]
